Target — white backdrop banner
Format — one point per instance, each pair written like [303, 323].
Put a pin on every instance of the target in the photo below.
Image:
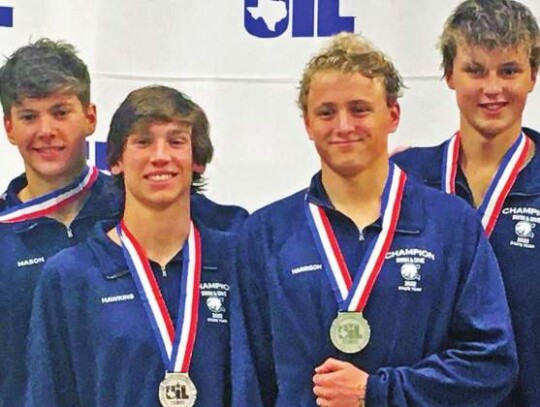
[241, 61]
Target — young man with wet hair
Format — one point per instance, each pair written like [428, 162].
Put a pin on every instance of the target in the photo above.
[138, 314]
[367, 287]
[45, 96]
[491, 52]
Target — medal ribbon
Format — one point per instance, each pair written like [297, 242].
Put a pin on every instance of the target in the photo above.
[48, 203]
[353, 295]
[176, 347]
[505, 176]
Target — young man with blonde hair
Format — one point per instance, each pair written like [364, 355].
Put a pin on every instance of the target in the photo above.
[367, 287]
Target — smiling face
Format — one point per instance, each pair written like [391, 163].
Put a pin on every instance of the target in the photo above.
[491, 89]
[349, 119]
[157, 164]
[50, 134]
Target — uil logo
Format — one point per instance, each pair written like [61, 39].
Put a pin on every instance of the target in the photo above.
[410, 271]
[524, 229]
[272, 18]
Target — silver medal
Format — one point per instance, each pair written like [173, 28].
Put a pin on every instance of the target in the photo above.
[177, 390]
[350, 332]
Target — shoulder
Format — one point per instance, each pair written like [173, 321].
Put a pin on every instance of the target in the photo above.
[279, 213]
[215, 215]
[442, 208]
[85, 260]
[420, 161]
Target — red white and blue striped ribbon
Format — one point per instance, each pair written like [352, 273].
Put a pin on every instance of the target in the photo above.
[505, 176]
[48, 203]
[176, 346]
[353, 295]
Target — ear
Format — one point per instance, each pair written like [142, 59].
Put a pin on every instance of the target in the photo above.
[395, 115]
[198, 168]
[91, 118]
[117, 168]
[8, 126]
[307, 125]
[449, 78]
[534, 74]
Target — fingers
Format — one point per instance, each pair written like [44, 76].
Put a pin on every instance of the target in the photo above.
[330, 365]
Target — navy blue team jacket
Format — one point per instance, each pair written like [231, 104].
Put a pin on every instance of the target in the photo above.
[516, 243]
[442, 338]
[91, 343]
[24, 248]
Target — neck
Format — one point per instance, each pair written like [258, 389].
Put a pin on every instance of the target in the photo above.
[38, 185]
[480, 157]
[358, 196]
[160, 237]
[479, 150]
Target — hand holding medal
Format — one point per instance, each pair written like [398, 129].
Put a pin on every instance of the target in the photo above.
[339, 383]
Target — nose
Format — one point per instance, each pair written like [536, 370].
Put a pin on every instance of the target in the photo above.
[344, 122]
[160, 153]
[493, 85]
[45, 127]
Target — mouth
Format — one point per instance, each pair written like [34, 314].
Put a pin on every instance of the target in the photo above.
[493, 107]
[342, 142]
[160, 177]
[48, 149]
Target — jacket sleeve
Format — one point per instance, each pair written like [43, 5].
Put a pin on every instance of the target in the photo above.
[253, 375]
[479, 364]
[51, 380]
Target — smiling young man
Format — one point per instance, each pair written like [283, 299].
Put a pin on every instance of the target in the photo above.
[45, 95]
[138, 314]
[367, 287]
[491, 53]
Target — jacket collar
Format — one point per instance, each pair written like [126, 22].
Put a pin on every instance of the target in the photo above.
[412, 214]
[527, 182]
[102, 202]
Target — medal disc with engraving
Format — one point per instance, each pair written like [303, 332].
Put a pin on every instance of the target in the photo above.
[177, 390]
[350, 332]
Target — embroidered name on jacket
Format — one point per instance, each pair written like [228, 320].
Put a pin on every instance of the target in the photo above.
[410, 262]
[30, 262]
[308, 267]
[214, 295]
[525, 220]
[117, 298]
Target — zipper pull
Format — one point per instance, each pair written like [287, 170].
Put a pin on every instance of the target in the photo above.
[163, 271]
[69, 232]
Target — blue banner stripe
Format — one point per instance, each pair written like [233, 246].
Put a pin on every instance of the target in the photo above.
[6, 16]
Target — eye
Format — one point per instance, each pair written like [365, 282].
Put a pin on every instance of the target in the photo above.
[325, 112]
[178, 141]
[475, 70]
[359, 109]
[60, 112]
[139, 141]
[510, 70]
[26, 117]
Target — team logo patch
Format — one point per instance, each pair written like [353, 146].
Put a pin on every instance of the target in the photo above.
[215, 304]
[410, 262]
[214, 294]
[525, 219]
